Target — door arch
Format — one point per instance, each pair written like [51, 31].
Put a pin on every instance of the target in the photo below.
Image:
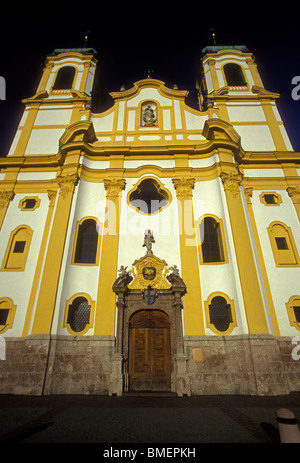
[149, 351]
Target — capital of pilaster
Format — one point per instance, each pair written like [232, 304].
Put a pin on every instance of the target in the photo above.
[248, 194]
[231, 182]
[5, 197]
[66, 183]
[113, 187]
[184, 187]
[294, 193]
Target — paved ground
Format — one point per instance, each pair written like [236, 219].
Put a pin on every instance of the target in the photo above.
[150, 420]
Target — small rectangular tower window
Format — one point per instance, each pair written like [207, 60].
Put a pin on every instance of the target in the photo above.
[281, 243]
[297, 313]
[270, 199]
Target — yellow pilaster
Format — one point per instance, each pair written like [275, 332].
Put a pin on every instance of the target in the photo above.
[106, 298]
[5, 197]
[248, 195]
[192, 301]
[254, 73]
[257, 323]
[273, 126]
[52, 196]
[26, 130]
[212, 66]
[48, 289]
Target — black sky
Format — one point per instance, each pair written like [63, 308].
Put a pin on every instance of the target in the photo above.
[131, 36]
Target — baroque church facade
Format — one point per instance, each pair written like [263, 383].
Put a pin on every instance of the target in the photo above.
[153, 246]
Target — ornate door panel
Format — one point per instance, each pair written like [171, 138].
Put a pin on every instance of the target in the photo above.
[150, 351]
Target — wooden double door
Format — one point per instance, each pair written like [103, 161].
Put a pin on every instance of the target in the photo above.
[149, 351]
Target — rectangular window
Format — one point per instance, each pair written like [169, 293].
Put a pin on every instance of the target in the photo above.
[29, 203]
[281, 243]
[270, 199]
[297, 313]
[3, 316]
[19, 246]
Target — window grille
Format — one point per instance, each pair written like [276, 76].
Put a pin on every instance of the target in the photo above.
[79, 314]
[220, 313]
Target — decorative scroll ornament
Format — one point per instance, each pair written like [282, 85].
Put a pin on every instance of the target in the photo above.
[184, 187]
[231, 182]
[113, 187]
[5, 197]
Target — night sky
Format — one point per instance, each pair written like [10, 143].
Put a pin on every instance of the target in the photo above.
[132, 36]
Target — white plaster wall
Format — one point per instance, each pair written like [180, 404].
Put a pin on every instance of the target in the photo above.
[149, 94]
[104, 123]
[17, 285]
[44, 141]
[284, 281]
[245, 113]
[255, 137]
[15, 141]
[53, 117]
[194, 121]
[164, 163]
[164, 225]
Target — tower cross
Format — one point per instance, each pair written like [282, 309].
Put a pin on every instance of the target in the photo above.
[148, 72]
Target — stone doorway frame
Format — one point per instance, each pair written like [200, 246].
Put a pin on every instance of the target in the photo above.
[130, 301]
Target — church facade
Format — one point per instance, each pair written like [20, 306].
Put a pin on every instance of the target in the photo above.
[152, 247]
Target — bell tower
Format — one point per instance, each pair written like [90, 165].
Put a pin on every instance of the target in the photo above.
[63, 97]
[230, 88]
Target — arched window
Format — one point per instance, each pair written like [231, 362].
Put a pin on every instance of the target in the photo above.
[234, 75]
[64, 78]
[212, 249]
[79, 314]
[283, 245]
[149, 196]
[17, 249]
[220, 313]
[7, 313]
[86, 242]
[293, 310]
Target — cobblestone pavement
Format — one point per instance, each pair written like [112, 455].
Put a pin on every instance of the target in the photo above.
[142, 419]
